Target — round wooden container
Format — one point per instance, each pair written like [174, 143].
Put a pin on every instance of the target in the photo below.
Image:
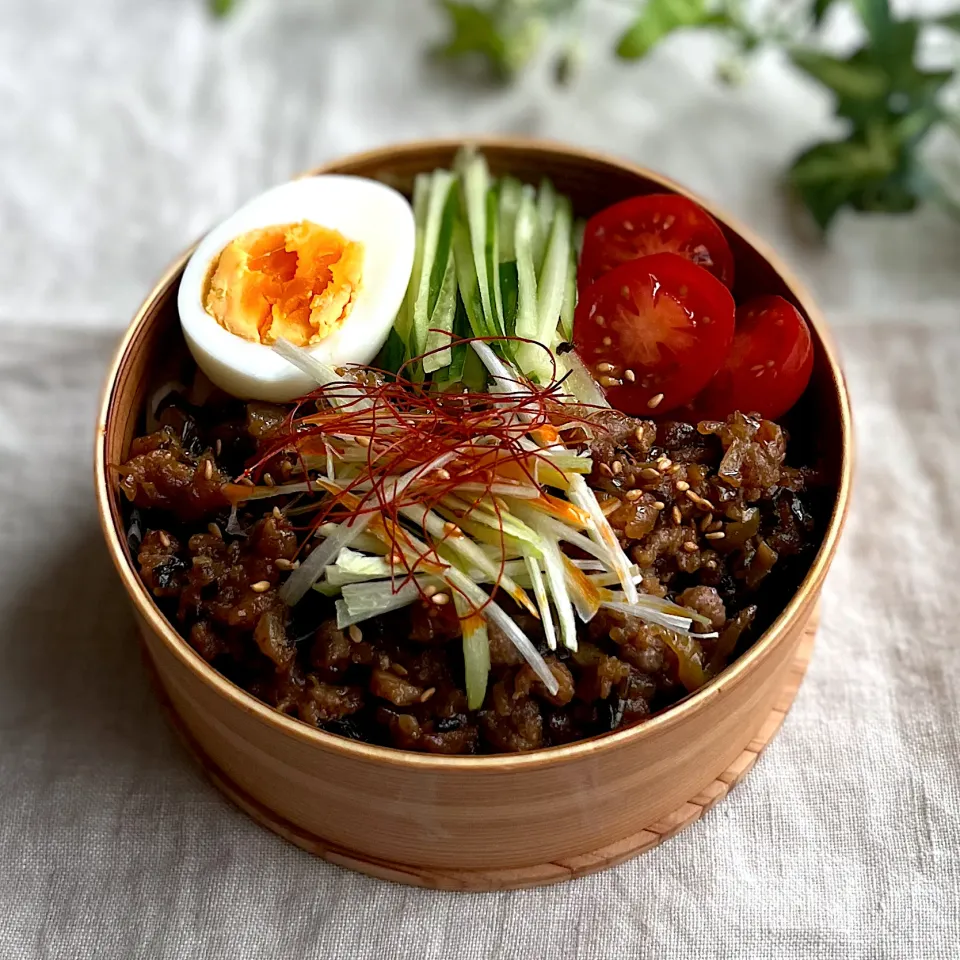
[494, 821]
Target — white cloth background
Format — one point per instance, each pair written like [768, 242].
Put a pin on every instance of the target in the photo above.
[125, 129]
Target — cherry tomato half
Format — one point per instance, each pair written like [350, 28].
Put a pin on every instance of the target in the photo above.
[653, 332]
[768, 366]
[657, 223]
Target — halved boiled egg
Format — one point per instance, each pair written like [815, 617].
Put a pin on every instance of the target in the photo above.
[322, 261]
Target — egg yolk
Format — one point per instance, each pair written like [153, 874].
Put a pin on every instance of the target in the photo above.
[297, 281]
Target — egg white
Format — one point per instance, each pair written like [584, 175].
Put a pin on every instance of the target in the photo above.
[363, 210]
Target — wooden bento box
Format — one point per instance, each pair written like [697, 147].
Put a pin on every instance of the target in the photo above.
[485, 822]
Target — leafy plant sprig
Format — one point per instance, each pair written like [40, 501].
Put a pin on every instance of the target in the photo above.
[889, 104]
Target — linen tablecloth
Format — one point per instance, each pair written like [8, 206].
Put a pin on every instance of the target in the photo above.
[126, 129]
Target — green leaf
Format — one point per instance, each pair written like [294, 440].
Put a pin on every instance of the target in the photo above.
[820, 9]
[828, 175]
[914, 126]
[657, 20]
[951, 21]
[505, 33]
[221, 8]
[474, 30]
[893, 194]
[872, 170]
[848, 79]
[877, 19]
[875, 85]
[918, 90]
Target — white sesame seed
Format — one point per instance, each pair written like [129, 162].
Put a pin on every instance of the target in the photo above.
[207, 469]
[655, 401]
[718, 535]
[354, 632]
[629, 376]
[683, 486]
[700, 501]
[440, 599]
[165, 539]
[606, 341]
[261, 586]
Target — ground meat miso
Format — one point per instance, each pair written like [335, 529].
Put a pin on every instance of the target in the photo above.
[709, 512]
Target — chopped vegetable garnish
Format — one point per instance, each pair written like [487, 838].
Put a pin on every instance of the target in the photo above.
[426, 474]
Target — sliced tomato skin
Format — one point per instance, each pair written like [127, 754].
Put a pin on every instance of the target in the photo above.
[655, 223]
[653, 332]
[768, 366]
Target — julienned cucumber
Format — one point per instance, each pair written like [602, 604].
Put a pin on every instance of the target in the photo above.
[437, 231]
[494, 258]
[525, 233]
[551, 283]
[440, 331]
